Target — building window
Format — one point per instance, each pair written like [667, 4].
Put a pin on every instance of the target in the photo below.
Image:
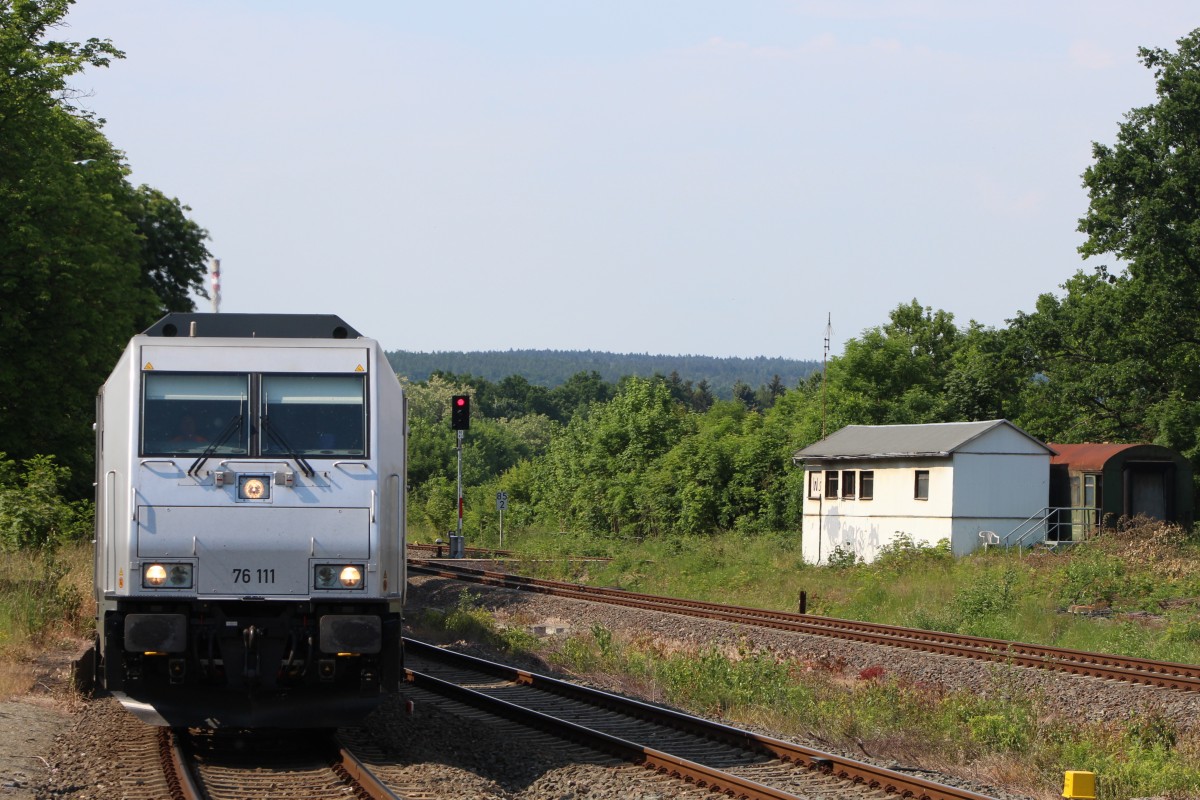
[814, 486]
[831, 484]
[848, 483]
[1090, 484]
[866, 484]
[921, 491]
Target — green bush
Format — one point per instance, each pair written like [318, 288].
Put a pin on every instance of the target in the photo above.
[1090, 577]
[1183, 629]
[902, 554]
[983, 606]
[842, 557]
[33, 511]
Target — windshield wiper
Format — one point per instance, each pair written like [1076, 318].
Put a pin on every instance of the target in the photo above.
[288, 450]
[234, 424]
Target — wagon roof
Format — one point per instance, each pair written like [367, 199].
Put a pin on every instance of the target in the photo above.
[1094, 457]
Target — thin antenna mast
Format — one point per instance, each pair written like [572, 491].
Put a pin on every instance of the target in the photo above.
[824, 362]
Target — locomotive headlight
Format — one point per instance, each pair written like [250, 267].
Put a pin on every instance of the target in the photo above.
[326, 576]
[338, 576]
[180, 576]
[170, 576]
[351, 577]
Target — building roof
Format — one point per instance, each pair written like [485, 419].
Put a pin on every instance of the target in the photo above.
[939, 439]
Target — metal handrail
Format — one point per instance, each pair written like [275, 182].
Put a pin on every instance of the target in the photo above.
[1040, 520]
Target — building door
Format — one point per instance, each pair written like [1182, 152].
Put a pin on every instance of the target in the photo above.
[1086, 492]
[1148, 493]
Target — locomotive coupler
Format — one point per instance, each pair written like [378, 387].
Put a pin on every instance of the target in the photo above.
[250, 640]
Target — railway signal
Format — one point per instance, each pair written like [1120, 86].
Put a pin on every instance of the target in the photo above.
[460, 412]
[460, 420]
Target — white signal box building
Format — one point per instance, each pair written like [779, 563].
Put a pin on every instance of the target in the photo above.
[865, 485]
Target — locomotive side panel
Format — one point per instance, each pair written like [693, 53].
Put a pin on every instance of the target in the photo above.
[114, 497]
[391, 427]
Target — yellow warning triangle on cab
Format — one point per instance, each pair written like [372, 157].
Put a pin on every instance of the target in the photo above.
[359, 368]
[148, 366]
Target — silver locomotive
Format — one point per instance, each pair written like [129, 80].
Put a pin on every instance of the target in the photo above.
[250, 489]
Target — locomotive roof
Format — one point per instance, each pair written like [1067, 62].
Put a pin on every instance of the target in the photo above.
[268, 326]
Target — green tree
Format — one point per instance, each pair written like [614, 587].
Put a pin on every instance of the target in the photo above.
[895, 373]
[173, 253]
[77, 275]
[985, 376]
[70, 292]
[702, 398]
[1087, 380]
[1144, 209]
[578, 393]
[1143, 204]
[593, 475]
[690, 484]
[1115, 357]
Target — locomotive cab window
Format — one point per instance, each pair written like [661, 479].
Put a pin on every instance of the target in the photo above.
[189, 413]
[314, 415]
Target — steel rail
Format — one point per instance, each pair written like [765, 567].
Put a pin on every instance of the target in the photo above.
[363, 781]
[179, 776]
[841, 767]
[357, 778]
[1162, 674]
[481, 552]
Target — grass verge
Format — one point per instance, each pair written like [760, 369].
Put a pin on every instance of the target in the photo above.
[1136, 590]
[45, 599]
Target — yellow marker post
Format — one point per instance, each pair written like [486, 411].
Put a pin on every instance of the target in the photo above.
[1079, 785]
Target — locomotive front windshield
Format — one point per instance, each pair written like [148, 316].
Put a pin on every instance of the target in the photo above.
[314, 415]
[185, 413]
[254, 415]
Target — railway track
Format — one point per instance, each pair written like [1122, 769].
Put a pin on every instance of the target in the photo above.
[1167, 675]
[213, 765]
[469, 552]
[696, 751]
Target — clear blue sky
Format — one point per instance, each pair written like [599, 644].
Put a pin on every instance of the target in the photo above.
[633, 176]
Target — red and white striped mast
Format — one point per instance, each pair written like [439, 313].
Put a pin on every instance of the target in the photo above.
[215, 274]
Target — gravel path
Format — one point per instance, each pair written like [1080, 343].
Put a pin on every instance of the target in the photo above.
[30, 723]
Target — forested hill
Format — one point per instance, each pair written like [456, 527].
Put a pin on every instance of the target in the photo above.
[551, 368]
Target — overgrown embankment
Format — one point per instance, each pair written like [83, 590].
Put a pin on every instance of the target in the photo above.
[45, 567]
[1132, 590]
